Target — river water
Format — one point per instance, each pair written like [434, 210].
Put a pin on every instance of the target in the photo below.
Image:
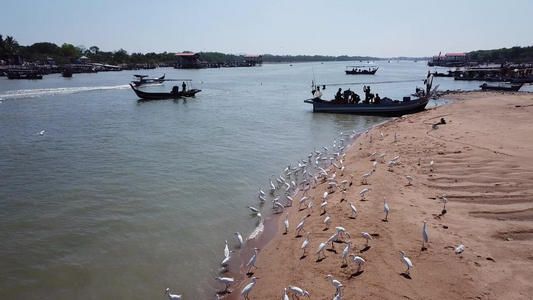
[121, 198]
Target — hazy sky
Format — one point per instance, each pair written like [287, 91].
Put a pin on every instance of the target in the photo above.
[382, 28]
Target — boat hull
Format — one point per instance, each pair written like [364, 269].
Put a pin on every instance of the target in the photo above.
[163, 96]
[501, 87]
[388, 110]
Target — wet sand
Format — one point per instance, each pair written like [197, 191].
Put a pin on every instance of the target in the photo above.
[482, 163]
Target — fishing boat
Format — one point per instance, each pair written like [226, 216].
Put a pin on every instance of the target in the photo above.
[23, 74]
[361, 70]
[174, 94]
[67, 72]
[385, 106]
[144, 80]
[501, 86]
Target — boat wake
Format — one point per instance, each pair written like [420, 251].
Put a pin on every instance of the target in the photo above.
[34, 93]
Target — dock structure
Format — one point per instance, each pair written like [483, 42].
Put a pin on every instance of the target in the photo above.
[448, 60]
[193, 61]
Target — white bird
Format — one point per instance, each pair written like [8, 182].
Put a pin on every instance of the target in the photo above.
[407, 261]
[409, 179]
[386, 208]
[370, 138]
[261, 193]
[251, 262]
[248, 288]
[374, 164]
[327, 219]
[431, 165]
[444, 200]
[345, 253]
[226, 280]
[381, 134]
[396, 158]
[305, 243]
[302, 201]
[286, 223]
[172, 296]
[333, 238]
[298, 291]
[285, 297]
[373, 155]
[239, 238]
[367, 236]
[339, 293]
[253, 209]
[363, 192]
[41, 133]
[358, 260]
[272, 187]
[321, 248]
[325, 196]
[300, 226]
[354, 210]
[226, 249]
[391, 164]
[365, 176]
[225, 261]
[424, 235]
[334, 282]
[419, 160]
[310, 207]
[459, 249]
[382, 157]
[323, 206]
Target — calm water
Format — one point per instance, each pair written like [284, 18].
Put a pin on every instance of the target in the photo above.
[122, 199]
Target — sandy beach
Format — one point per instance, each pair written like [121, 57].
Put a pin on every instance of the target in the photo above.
[481, 163]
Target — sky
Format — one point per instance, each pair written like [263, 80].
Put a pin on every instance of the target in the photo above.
[379, 28]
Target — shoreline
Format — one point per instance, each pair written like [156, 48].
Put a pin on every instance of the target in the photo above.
[280, 258]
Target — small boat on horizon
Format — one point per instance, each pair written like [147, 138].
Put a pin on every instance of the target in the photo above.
[144, 80]
[361, 70]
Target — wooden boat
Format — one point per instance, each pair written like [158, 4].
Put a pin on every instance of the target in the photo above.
[501, 86]
[144, 80]
[67, 72]
[386, 107]
[174, 94]
[23, 74]
[361, 70]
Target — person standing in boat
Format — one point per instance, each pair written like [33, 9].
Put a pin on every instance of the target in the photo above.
[184, 86]
[377, 99]
[338, 96]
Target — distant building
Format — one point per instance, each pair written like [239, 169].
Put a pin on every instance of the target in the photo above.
[188, 61]
[253, 60]
[448, 60]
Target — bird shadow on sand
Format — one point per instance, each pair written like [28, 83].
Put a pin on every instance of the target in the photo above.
[384, 220]
[321, 259]
[298, 236]
[303, 256]
[365, 249]
[406, 276]
[284, 233]
[322, 213]
[325, 229]
[332, 250]
[356, 274]
[353, 218]
[223, 293]
[364, 200]
[424, 248]
[344, 266]
[250, 274]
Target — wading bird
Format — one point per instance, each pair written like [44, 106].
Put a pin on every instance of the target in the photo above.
[300, 226]
[251, 262]
[363, 192]
[286, 223]
[386, 208]
[409, 179]
[334, 282]
[424, 235]
[327, 219]
[345, 253]
[239, 239]
[226, 280]
[298, 291]
[367, 236]
[172, 296]
[358, 260]
[353, 209]
[321, 248]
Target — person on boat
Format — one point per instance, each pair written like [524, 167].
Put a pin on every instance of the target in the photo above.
[366, 89]
[184, 86]
[346, 95]
[377, 99]
[338, 96]
[175, 89]
[317, 93]
[355, 98]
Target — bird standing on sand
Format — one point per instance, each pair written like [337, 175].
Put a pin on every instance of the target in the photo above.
[339, 293]
[353, 209]
[327, 219]
[367, 236]
[298, 291]
[358, 260]
[334, 282]
[286, 223]
[365, 177]
[345, 253]
[406, 261]
[386, 208]
[444, 200]
[363, 192]
[305, 243]
[431, 166]
[424, 235]
[409, 179]
[225, 280]
[251, 262]
[248, 288]
[321, 248]
[172, 296]
[300, 226]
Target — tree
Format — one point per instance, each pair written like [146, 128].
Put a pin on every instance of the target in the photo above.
[68, 50]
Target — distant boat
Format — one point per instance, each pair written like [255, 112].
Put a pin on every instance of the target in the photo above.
[361, 70]
[23, 74]
[144, 80]
[501, 86]
[67, 72]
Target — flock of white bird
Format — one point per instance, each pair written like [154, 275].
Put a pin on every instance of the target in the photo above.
[320, 167]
